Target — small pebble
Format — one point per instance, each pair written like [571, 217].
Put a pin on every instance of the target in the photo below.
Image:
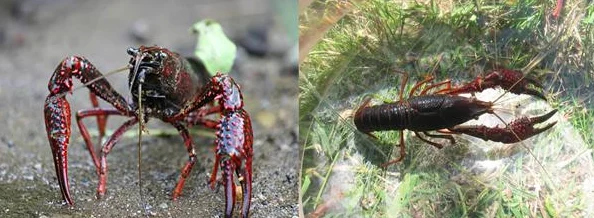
[163, 206]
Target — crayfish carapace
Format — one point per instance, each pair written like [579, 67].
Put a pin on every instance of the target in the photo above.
[444, 110]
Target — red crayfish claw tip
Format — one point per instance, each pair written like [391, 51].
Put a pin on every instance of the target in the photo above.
[62, 174]
[515, 82]
[232, 191]
[523, 128]
[229, 185]
[540, 119]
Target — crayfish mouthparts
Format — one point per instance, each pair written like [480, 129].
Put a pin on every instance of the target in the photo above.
[169, 90]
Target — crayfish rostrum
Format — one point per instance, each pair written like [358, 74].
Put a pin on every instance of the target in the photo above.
[168, 90]
[444, 110]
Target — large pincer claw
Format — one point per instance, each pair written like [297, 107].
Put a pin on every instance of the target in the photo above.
[518, 130]
[514, 81]
[511, 80]
[234, 154]
[57, 125]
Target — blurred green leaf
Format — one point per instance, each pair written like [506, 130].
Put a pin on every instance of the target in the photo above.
[213, 48]
[550, 208]
[305, 185]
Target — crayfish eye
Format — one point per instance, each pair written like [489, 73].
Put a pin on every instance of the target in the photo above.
[162, 56]
[132, 51]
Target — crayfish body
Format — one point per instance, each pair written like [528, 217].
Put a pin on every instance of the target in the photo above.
[444, 111]
[168, 89]
[421, 113]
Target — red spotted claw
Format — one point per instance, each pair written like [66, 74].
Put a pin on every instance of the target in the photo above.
[163, 86]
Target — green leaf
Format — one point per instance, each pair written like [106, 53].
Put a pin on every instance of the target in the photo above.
[305, 185]
[213, 47]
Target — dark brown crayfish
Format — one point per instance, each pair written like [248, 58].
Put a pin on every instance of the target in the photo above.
[444, 109]
[171, 92]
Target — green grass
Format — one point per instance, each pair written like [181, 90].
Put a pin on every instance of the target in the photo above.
[582, 118]
[358, 58]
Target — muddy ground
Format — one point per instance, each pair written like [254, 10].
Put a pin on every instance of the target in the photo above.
[35, 35]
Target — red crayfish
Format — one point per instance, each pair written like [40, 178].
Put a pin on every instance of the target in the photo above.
[169, 90]
[444, 109]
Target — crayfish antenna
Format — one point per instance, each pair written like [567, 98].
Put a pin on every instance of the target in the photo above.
[141, 76]
[84, 85]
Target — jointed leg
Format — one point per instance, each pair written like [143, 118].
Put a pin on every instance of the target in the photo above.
[448, 137]
[402, 84]
[402, 152]
[106, 149]
[101, 119]
[437, 145]
[98, 112]
[213, 175]
[183, 131]
[198, 117]
[447, 82]
[414, 88]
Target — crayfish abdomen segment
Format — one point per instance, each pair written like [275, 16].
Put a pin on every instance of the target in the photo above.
[421, 113]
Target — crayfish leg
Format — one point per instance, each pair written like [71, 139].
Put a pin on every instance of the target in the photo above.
[183, 131]
[101, 119]
[213, 176]
[402, 152]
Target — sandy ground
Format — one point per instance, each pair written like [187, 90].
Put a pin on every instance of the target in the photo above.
[42, 32]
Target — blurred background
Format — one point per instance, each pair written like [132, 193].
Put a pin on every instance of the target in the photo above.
[35, 35]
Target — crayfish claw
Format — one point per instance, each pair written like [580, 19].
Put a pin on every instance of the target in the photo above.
[234, 156]
[523, 87]
[515, 81]
[533, 92]
[57, 124]
[229, 184]
[523, 128]
[516, 131]
[246, 188]
[542, 118]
